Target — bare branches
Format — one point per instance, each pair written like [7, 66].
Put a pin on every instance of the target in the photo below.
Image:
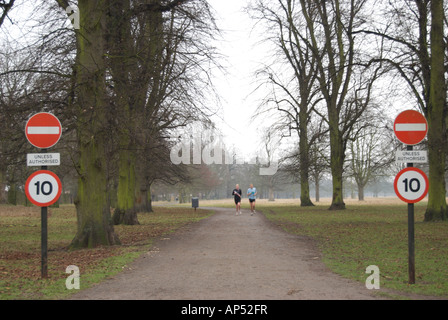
[158, 6]
[34, 71]
[6, 7]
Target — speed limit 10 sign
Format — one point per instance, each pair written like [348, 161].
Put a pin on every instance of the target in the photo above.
[411, 185]
[43, 188]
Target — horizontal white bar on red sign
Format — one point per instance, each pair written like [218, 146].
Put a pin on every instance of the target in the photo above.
[43, 130]
[410, 127]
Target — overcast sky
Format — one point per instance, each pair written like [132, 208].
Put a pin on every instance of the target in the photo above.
[244, 56]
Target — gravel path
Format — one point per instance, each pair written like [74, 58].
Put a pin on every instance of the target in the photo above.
[228, 257]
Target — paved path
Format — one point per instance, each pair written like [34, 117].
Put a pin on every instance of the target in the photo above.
[229, 257]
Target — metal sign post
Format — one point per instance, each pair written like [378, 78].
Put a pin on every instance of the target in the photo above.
[411, 241]
[411, 184]
[44, 235]
[43, 188]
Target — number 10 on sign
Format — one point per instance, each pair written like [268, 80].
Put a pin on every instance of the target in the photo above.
[43, 188]
[411, 185]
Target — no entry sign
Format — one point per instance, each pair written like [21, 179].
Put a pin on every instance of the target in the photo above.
[411, 185]
[410, 127]
[43, 130]
[43, 188]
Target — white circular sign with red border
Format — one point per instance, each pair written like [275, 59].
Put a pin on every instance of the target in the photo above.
[411, 185]
[43, 188]
[43, 130]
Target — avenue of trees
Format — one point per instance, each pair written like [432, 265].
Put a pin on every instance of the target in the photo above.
[119, 82]
[123, 76]
[332, 57]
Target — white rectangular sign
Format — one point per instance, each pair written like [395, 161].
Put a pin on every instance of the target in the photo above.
[417, 156]
[43, 159]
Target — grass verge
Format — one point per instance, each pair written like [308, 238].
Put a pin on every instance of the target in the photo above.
[20, 233]
[363, 235]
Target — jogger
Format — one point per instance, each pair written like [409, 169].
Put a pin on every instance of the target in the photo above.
[237, 197]
[252, 194]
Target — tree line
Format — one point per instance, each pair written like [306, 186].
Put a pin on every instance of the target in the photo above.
[336, 62]
[131, 72]
[135, 71]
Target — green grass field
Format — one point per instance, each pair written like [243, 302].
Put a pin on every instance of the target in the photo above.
[20, 234]
[373, 234]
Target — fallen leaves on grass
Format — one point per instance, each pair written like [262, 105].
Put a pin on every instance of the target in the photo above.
[20, 257]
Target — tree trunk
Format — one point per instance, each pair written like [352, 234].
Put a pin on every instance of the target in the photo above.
[336, 161]
[305, 200]
[146, 200]
[126, 212]
[360, 192]
[317, 191]
[271, 193]
[3, 184]
[120, 49]
[92, 202]
[436, 115]
[12, 194]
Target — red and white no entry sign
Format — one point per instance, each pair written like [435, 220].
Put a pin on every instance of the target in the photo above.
[410, 127]
[43, 130]
[411, 185]
[43, 188]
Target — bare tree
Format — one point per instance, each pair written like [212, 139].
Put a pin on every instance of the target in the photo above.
[345, 80]
[292, 77]
[413, 32]
[371, 154]
[5, 6]
[155, 77]
[35, 75]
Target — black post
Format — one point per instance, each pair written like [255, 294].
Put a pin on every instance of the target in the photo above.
[411, 246]
[44, 240]
[44, 235]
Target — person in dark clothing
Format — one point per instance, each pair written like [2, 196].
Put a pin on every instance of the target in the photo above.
[237, 197]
